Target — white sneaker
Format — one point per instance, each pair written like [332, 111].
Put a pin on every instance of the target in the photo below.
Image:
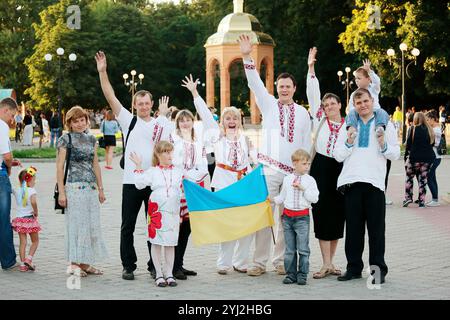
[433, 203]
[389, 202]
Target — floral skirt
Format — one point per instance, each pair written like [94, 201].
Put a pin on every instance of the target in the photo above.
[84, 240]
[26, 225]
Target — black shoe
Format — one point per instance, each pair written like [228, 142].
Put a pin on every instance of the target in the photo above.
[127, 275]
[188, 272]
[417, 201]
[179, 274]
[406, 202]
[349, 276]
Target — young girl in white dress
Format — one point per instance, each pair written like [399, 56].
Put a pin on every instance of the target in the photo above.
[163, 207]
[234, 153]
[190, 157]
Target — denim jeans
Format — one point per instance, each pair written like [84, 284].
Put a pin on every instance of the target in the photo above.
[54, 134]
[7, 251]
[381, 118]
[432, 182]
[296, 238]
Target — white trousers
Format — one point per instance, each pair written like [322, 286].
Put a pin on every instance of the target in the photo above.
[239, 258]
[28, 135]
[263, 237]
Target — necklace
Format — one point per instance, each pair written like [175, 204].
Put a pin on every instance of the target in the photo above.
[168, 185]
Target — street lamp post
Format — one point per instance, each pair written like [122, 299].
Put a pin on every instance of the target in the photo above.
[346, 83]
[132, 84]
[415, 53]
[59, 54]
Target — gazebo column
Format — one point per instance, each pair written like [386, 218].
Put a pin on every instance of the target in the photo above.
[224, 87]
[210, 84]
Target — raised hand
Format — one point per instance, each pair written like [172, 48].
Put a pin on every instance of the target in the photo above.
[312, 56]
[189, 83]
[163, 105]
[366, 64]
[137, 160]
[100, 57]
[245, 45]
[351, 135]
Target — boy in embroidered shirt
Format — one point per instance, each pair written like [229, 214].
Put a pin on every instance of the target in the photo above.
[299, 190]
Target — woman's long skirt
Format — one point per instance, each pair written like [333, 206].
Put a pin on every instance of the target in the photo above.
[328, 212]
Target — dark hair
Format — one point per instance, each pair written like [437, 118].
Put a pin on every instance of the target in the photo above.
[360, 92]
[22, 175]
[286, 75]
[432, 114]
[8, 102]
[330, 96]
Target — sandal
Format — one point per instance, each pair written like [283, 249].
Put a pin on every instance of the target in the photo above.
[76, 271]
[160, 282]
[335, 271]
[92, 270]
[29, 264]
[324, 271]
[171, 282]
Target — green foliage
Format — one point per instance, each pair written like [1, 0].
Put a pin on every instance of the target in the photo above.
[421, 24]
[50, 153]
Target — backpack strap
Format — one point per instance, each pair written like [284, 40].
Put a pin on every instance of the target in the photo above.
[130, 128]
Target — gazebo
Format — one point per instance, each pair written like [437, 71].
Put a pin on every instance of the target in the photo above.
[222, 50]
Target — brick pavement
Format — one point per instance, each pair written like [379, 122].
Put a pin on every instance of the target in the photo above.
[417, 253]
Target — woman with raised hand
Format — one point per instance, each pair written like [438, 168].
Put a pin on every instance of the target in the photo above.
[234, 153]
[328, 212]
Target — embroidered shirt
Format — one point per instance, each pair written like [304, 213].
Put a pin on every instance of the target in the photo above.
[295, 199]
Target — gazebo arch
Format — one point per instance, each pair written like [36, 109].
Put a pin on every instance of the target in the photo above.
[224, 47]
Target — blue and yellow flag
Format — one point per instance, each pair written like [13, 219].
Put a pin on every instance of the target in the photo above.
[231, 213]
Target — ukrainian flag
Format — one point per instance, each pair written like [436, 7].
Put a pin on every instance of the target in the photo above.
[231, 213]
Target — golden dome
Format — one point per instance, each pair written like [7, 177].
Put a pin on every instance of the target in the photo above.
[237, 23]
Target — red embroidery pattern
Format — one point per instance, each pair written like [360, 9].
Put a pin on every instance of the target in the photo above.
[334, 132]
[291, 123]
[281, 113]
[298, 180]
[319, 113]
[279, 165]
[249, 66]
[291, 120]
[157, 132]
[188, 155]
[233, 158]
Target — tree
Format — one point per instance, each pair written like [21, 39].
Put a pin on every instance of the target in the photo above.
[421, 24]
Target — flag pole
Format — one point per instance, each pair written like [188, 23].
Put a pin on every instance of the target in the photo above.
[273, 236]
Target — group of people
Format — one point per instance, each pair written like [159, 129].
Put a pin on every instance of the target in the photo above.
[315, 163]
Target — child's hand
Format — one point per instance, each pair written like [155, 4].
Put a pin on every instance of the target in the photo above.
[351, 135]
[137, 160]
[298, 186]
[366, 64]
[35, 214]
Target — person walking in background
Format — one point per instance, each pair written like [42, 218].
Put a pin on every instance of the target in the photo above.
[442, 117]
[19, 127]
[109, 127]
[55, 125]
[419, 156]
[432, 119]
[45, 128]
[397, 118]
[28, 130]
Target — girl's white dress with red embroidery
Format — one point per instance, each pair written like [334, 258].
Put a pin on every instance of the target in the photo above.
[164, 203]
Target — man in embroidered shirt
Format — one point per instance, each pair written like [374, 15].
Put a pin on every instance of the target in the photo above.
[286, 127]
[142, 139]
[362, 181]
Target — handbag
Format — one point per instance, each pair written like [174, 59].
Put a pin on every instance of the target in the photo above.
[66, 171]
[130, 128]
[101, 140]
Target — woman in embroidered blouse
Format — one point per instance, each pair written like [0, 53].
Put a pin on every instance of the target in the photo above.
[233, 153]
[84, 242]
[164, 207]
[328, 212]
[189, 156]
